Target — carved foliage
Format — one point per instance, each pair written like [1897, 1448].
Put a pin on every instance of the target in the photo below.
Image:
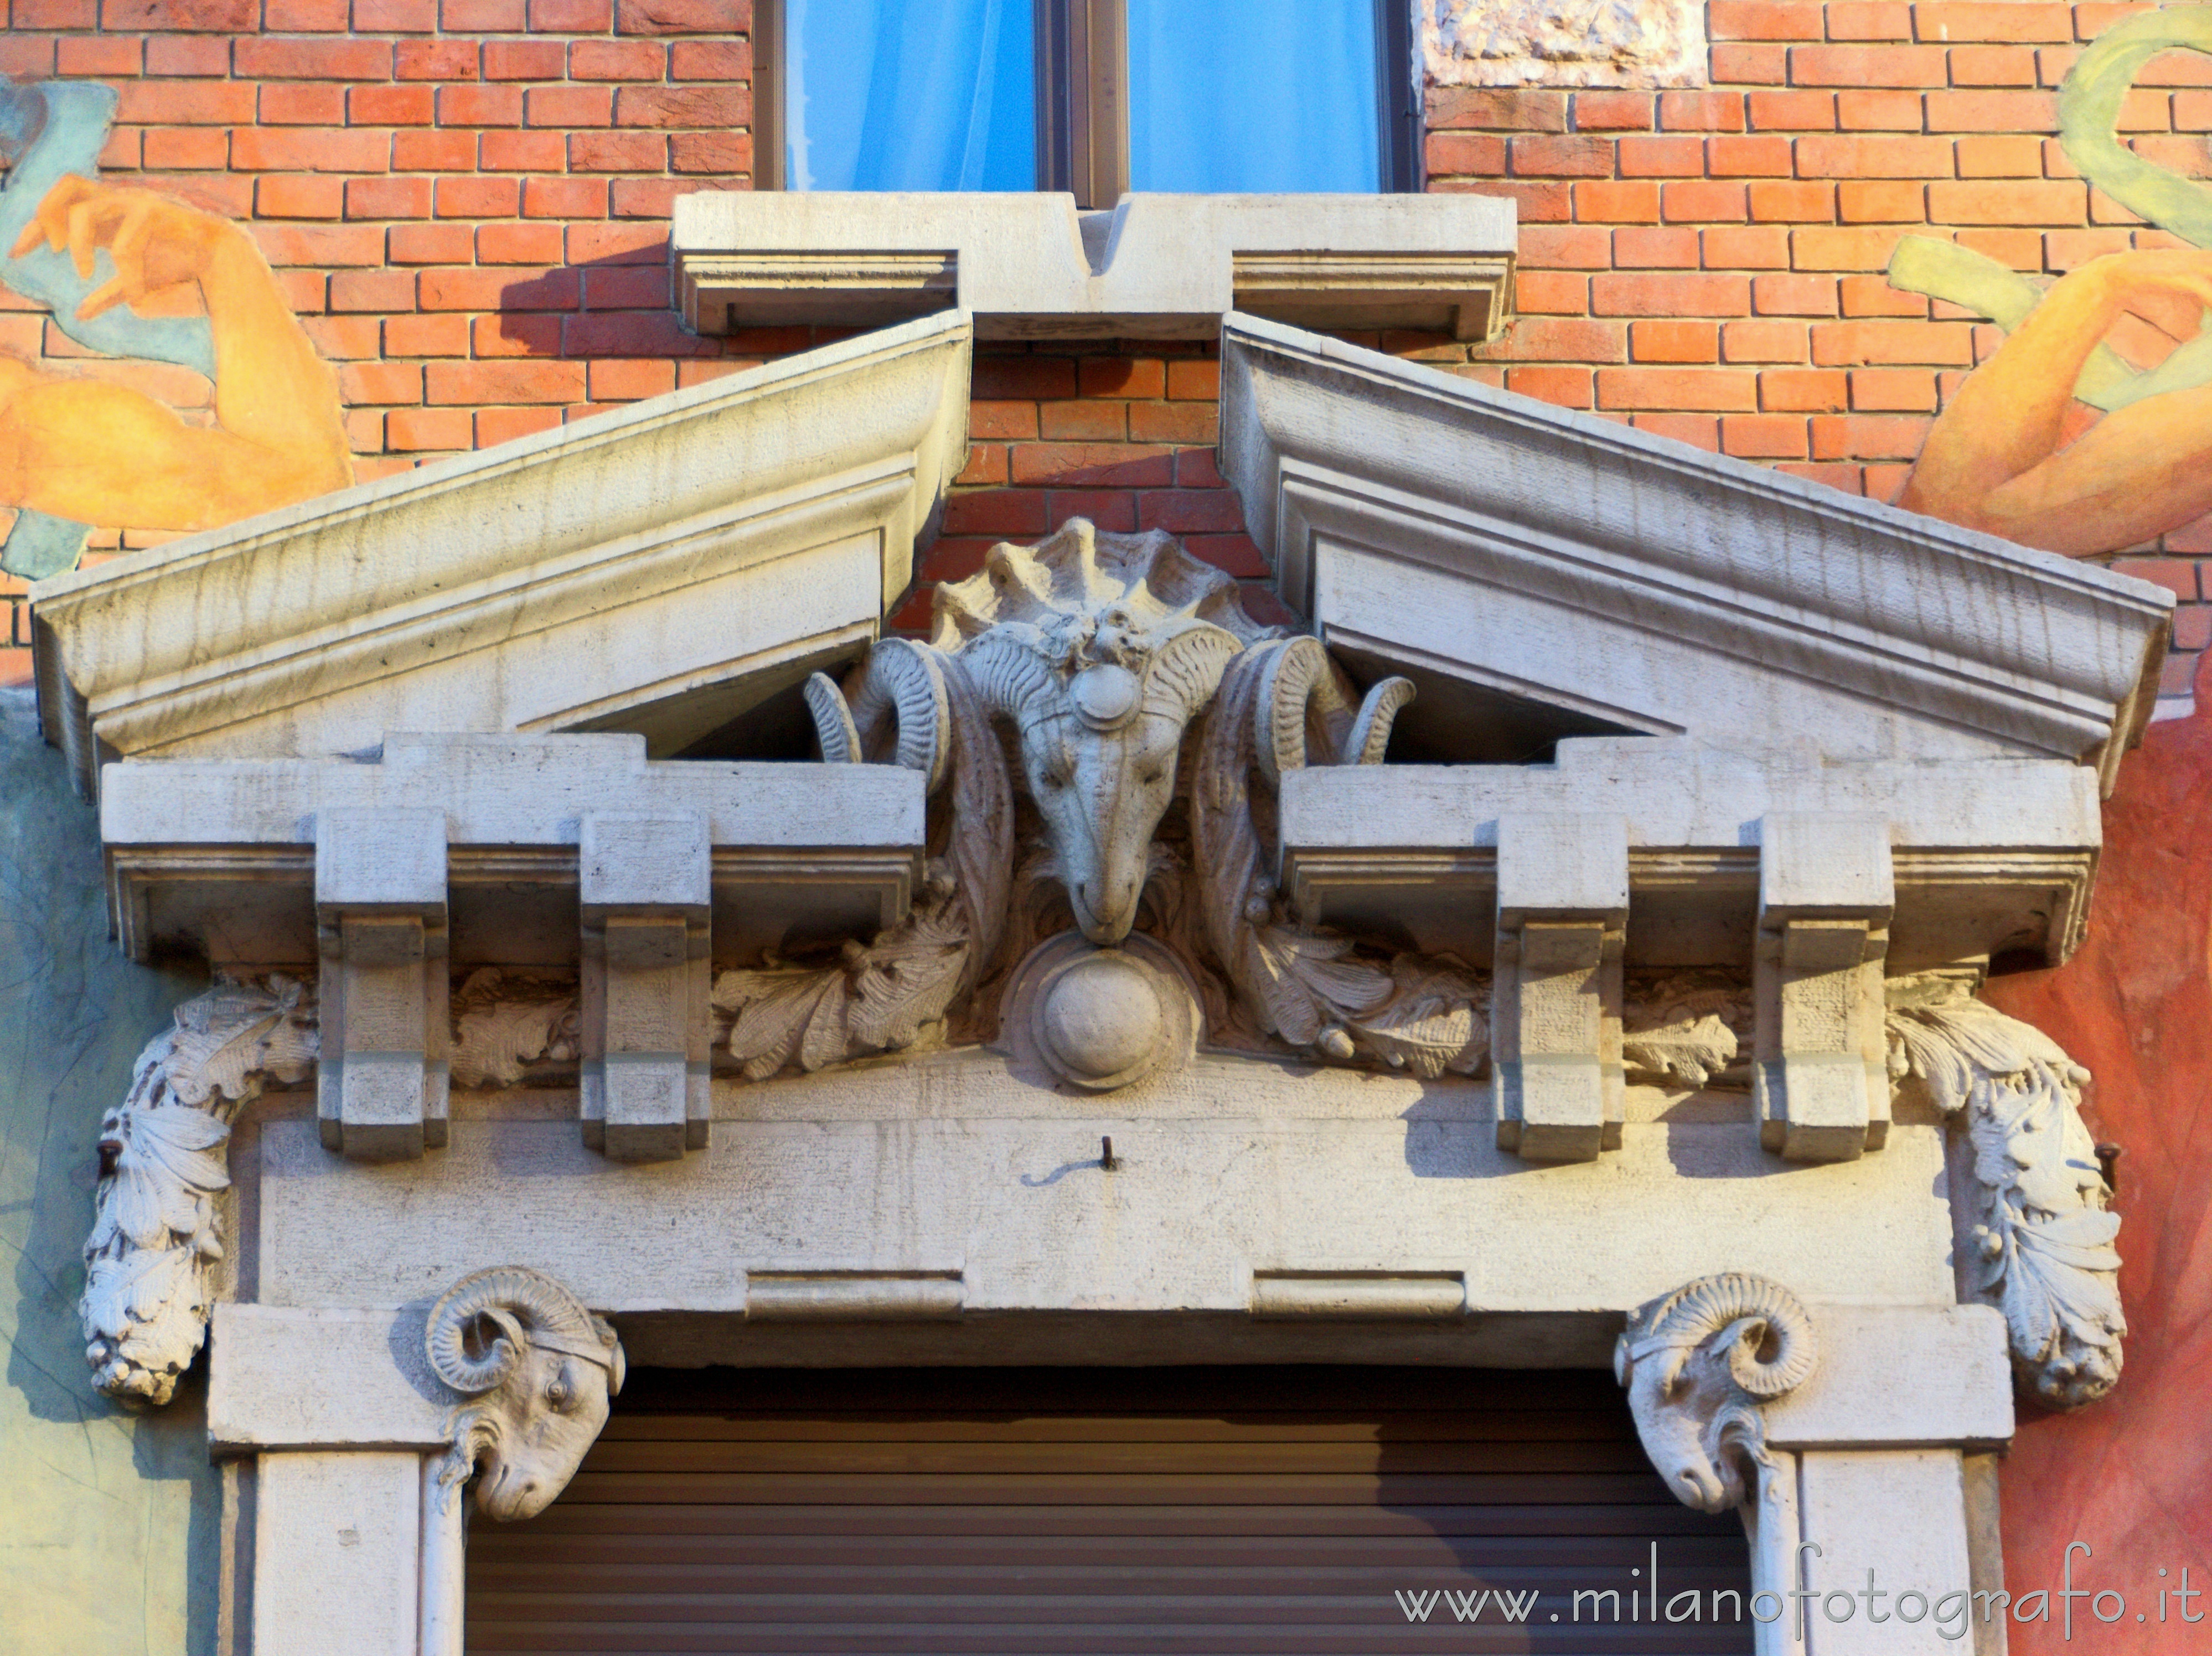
[156, 1235]
[1688, 1027]
[2042, 1235]
[505, 1022]
[1697, 1364]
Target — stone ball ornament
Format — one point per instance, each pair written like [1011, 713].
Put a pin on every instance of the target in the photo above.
[1100, 1019]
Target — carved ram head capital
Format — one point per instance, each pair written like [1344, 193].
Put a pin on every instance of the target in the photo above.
[538, 1369]
[1697, 1364]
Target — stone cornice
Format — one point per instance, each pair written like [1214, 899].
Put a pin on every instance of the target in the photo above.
[1712, 596]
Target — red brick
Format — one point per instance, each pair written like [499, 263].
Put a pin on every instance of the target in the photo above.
[426, 335]
[1867, 66]
[1551, 293]
[1764, 436]
[2021, 249]
[1449, 155]
[1566, 387]
[627, 381]
[1756, 155]
[1867, 436]
[1122, 376]
[1536, 201]
[390, 105]
[2063, 250]
[1993, 66]
[302, 104]
[1662, 156]
[1845, 478]
[483, 16]
[1701, 389]
[185, 103]
[183, 149]
[571, 16]
[1613, 111]
[685, 105]
[1993, 112]
[2176, 575]
[305, 291]
[1761, 340]
[1659, 247]
[2192, 628]
[1125, 465]
[436, 60]
[173, 56]
[519, 244]
[307, 16]
[564, 198]
[1793, 111]
[2185, 153]
[478, 198]
[434, 152]
[617, 60]
[617, 244]
[1817, 247]
[631, 333]
[1703, 201]
[2010, 156]
[511, 381]
[1565, 339]
[1672, 341]
[625, 286]
[1881, 201]
[395, 16]
[522, 334]
[57, 14]
[1872, 295]
[710, 152]
[1190, 510]
[373, 290]
[293, 197]
[181, 16]
[1877, 111]
[1571, 155]
[345, 338]
[996, 512]
[1995, 19]
[1497, 108]
[120, 152]
[1869, 20]
[1764, 19]
[1670, 292]
[99, 55]
[1192, 379]
[413, 429]
[1757, 63]
[1610, 202]
[278, 59]
[1859, 155]
[1195, 468]
[381, 382]
[569, 105]
[618, 152]
[1747, 247]
[348, 149]
[480, 105]
[1023, 377]
[320, 246]
[649, 198]
[987, 463]
[525, 60]
[1794, 295]
[1893, 390]
[1985, 201]
[430, 244]
[1792, 201]
[710, 60]
[1701, 111]
[522, 151]
[1005, 420]
[1803, 391]
[1173, 423]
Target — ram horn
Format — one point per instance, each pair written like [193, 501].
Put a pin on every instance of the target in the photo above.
[516, 1300]
[1009, 672]
[1764, 1316]
[1187, 670]
[1305, 698]
[899, 684]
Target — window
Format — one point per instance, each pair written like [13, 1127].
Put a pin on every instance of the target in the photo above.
[1093, 97]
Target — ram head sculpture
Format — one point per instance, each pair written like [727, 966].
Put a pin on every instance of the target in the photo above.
[1099, 650]
[1697, 1364]
[537, 1369]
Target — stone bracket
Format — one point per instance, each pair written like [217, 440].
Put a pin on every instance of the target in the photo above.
[1827, 892]
[380, 915]
[644, 884]
[1556, 1003]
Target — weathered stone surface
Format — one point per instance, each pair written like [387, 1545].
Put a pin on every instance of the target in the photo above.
[1596, 43]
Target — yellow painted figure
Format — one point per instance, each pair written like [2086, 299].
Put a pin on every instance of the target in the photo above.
[97, 452]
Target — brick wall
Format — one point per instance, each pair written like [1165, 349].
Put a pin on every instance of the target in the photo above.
[1708, 263]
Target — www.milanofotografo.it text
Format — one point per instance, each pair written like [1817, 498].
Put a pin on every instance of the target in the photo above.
[1953, 1612]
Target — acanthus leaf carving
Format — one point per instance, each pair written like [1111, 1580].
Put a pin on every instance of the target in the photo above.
[505, 1022]
[157, 1235]
[1687, 1027]
[1698, 1364]
[2042, 1233]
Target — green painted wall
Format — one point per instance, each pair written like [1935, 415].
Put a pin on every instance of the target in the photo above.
[108, 1521]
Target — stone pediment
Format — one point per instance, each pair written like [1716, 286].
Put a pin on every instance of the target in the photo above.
[658, 569]
[1541, 573]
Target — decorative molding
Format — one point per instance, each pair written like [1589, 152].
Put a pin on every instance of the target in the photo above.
[157, 1233]
[2042, 1237]
[505, 1021]
[536, 1368]
[1698, 1364]
[1688, 1027]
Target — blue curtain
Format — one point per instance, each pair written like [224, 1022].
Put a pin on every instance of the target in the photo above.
[1253, 95]
[909, 94]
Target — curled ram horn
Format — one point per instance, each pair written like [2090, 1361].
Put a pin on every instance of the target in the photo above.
[1697, 1364]
[537, 1369]
[1009, 670]
[1305, 703]
[900, 686]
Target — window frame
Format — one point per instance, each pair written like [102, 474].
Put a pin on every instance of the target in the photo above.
[1081, 57]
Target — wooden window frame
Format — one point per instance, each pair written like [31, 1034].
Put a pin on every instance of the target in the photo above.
[1081, 53]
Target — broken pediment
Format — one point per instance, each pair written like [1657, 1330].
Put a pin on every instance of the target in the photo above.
[660, 569]
[1495, 550]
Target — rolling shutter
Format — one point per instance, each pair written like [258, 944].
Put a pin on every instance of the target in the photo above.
[1281, 1510]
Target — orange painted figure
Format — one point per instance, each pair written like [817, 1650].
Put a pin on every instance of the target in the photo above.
[97, 452]
[1998, 458]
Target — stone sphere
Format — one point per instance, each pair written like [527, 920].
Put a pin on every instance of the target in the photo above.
[1103, 1017]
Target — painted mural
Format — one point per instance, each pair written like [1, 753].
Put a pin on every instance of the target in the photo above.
[132, 273]
[2088, 430]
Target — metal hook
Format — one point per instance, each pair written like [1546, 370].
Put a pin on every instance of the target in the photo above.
[1106, 1161]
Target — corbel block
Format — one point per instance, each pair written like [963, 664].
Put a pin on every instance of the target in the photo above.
[381, 1082]
[644, 884]
[1555, 1005]
[1827, 892]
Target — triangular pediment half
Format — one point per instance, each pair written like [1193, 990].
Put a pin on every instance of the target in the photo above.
[656, 569]
[1498, 549]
